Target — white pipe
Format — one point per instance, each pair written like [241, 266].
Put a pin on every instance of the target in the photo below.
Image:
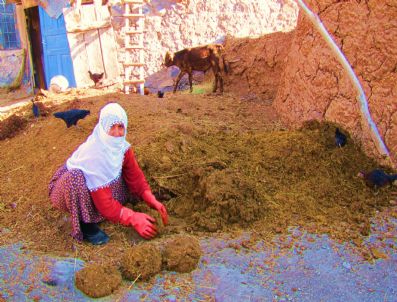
[382, 149]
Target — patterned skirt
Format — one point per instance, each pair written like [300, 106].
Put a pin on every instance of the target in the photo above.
[68, 192]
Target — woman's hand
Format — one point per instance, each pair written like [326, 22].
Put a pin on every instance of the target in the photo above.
[152, 202]
[142, 223]
[162, 210]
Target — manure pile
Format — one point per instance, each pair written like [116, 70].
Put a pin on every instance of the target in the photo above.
[218, 163]
[223, 180]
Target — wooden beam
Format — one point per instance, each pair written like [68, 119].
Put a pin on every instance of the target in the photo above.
[29, 3]
[79, 28]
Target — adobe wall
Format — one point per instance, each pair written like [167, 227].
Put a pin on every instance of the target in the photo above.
[315, 86]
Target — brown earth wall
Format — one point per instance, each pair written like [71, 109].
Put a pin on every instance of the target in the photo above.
[314, 84]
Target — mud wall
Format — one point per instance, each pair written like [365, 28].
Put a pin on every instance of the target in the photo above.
[315, 86]
[256, 65]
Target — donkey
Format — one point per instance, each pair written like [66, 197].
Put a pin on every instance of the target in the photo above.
[200, 58]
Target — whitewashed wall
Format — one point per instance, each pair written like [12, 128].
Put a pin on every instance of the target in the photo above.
[176, 24]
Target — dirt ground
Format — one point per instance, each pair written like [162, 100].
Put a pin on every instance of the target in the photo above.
[220, 163]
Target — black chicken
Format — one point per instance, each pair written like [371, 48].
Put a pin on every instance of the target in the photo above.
[160, 94]
[377, 178]
[95, 77]
[340, 138]
[36, 110]
[71, 117]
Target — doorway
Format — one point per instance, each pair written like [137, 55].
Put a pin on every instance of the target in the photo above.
[49, 47]
[36, 49]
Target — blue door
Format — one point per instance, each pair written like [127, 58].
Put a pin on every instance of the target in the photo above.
[56, 52]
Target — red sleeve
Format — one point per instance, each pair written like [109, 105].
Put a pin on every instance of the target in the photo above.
[133, 174]
[106, 204]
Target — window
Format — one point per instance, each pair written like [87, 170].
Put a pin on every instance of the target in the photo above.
[9, 38]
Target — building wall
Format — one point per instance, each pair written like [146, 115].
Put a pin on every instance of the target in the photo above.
[314, 84]
[15, 64]
[172, 25]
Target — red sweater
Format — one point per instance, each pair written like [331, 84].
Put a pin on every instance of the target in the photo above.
[136, 182]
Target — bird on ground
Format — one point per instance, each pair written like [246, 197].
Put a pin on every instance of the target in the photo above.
[340, 138]
[377, 178]
[95, 77]
[71, 117]
[36, 110]
[160, 94]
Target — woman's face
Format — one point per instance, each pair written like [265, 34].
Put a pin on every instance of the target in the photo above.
[117, 130]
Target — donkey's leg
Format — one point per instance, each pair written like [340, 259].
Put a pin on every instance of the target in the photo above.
[220, 78]
[214, 69]
[179, 77]
[215, 83]
[190, 80]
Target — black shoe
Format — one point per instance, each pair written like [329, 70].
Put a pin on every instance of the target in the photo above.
[93, 234]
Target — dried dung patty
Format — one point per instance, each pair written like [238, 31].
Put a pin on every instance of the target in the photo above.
[181, 254]
[141, 262]
[98, 281]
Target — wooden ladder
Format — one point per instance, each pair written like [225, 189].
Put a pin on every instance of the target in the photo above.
[134, 73]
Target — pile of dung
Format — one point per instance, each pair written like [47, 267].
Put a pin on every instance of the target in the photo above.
[265, 179]
[12, 125]
[181, 254]
[226, 197]
[218, 163]
[97, 280]
[141, 261]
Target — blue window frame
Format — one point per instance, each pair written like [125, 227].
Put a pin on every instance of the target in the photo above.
[9, 37]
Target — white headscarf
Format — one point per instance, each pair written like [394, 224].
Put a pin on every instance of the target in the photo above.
[101, 156]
